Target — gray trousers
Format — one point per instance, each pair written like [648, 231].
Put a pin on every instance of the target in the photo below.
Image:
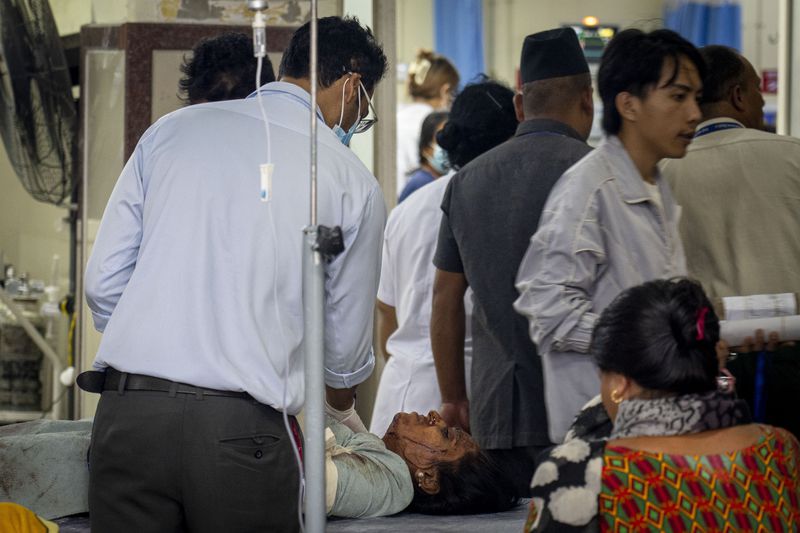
[173, 463]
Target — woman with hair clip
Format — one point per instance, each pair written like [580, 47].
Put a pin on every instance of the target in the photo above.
[682, 454]
[432, 82]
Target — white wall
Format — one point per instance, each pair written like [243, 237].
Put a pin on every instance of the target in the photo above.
[414, 32]
[31, 232]
[760, 38]
[760, 32]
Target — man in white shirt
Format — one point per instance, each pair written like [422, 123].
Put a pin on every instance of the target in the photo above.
[195, 280]
[740, 192]
[610, 221]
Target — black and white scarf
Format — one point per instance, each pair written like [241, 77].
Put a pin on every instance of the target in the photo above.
[567, 482]
[679, 415]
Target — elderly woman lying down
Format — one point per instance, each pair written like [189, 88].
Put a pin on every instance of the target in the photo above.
[420, 463]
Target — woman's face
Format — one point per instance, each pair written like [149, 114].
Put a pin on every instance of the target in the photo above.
[424, 441]
[429, 150]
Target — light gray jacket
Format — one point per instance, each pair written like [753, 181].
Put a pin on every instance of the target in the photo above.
[364, 479]
[600, 233]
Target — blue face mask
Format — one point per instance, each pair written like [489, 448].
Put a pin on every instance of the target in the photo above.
[439, 160]
[345, 136]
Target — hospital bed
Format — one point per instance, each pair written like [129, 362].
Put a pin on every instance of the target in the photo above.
[507, 522]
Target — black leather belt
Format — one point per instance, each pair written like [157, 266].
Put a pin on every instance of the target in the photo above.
[112, 379]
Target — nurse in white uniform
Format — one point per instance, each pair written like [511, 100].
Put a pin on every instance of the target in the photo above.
[432, 81]
[408, 382]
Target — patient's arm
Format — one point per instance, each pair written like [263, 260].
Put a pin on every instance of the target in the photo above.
[340, 404]
[370, 480]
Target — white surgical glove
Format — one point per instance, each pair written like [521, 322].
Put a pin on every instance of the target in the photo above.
[348, 417]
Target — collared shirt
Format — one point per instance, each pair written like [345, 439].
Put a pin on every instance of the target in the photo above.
[491, 209]
[600, 233]
[740, 192]
[194, 279]
[408, 382]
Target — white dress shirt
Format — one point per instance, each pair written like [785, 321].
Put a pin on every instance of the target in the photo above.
[194, 279]
[408, 382]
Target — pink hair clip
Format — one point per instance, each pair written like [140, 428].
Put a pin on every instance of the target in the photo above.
[701, 323]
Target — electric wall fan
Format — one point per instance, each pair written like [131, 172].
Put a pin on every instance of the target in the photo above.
[38, 118]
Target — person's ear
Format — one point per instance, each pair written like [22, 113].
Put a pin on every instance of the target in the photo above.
[587, 102]
[352, 87]
[428, 480]
[627, 387]
[738, 99]
[444, 94]
[619, 386]
[519, 108]
[627, 106]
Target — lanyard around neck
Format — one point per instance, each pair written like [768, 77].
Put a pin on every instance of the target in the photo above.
[719, 126]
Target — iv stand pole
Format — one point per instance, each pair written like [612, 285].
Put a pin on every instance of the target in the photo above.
[314, 330]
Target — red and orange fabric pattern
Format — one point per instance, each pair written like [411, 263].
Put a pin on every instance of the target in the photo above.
[753, 489]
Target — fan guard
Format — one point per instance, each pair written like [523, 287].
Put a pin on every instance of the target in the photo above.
[38, 116]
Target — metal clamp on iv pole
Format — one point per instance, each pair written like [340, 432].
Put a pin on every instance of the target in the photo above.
[320, 244]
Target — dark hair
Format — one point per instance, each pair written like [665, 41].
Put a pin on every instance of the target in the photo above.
[482, 117]
[428, 73]
[473, 485]
[428, 130]
[632, 62]
[222, 68]
[650, 333]
[554, 94]
[344, 46]
[724, 70]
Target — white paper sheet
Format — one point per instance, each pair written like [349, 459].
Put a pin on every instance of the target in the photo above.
[734, 331]
[759, 306]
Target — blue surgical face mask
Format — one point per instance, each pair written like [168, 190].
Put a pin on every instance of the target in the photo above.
[439, 160]
[345, 136]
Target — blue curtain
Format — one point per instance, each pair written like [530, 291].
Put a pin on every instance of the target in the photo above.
[706, 21]
[458, 31]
